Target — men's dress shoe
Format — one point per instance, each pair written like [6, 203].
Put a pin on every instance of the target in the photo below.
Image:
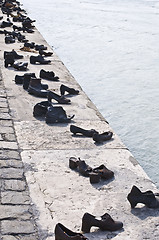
[102, 137]
[38, 59]
[15, 55]
[20, 66]
[88, 133]
[46, 54]
[57, 115]
[63, 233]
[148, 198]
[106, 223]
[103, 172]
[28, 30]
[9, 39]
[30, 45]
[59, 99]
[6, 24]
[27, 78]
[36, 88]
[49, 75]
[64, 88]
[40, 109]
[20, 79]
[40, 47]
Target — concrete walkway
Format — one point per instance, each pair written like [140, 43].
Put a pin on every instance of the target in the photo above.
[38, 189]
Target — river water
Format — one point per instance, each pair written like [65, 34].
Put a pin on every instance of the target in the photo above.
[111, 47]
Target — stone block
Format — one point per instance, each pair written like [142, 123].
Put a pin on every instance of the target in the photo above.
[14, 185]
[9, 137]
[8, 145]
[3, 105]
[4, 123]
[11, 173]
[17, 227]
[17, 212]
[9, 154]
[13, 197]
[11, 163]
[6, 129]
[9, 237]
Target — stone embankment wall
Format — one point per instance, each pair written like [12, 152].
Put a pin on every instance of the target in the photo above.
[38, 189]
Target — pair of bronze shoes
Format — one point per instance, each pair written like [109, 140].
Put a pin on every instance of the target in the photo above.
[97, 137]
[105, 223]
[95, 174]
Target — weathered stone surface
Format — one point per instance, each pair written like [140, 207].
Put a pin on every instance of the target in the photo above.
[17, 212]
[11, 173]
[13, 197]
[1, 138]
[6, 129]
[9, 137]
[8, 145]
[11, 163]
[9, 237]
[20, 237]
[5, 116]
[17, 227]
[14, 185]
[58, 136]
[4, 123]
[29, 237]
[3, 110]
[61, 193]
[3, 104]
[9, 154]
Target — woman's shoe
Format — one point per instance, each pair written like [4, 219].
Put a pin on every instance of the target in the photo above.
[148, 198]
[63, 233]
[106, 223]
[15, 55]
[40, 109]
[57, 115]
[40, 47]
[39, 59]
[59, 99]
[88, 133]
[80, 165]
[49, 75]
[83, 168]
[104, 172]
[102, 137]
[64, 88]
[46, 54]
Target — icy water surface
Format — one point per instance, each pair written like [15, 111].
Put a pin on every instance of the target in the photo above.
[112, 49]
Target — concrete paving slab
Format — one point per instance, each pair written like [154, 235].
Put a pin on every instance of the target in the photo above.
[58, 136]
[62, 195]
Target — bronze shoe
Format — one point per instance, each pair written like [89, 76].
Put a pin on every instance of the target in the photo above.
[106, 223]
[63, 233]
